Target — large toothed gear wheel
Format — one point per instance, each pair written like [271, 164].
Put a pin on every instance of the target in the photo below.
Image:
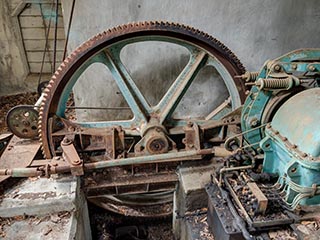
[105, 48]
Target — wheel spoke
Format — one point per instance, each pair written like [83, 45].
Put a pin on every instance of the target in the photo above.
[171, 99]
[220, 109]
[128, 88]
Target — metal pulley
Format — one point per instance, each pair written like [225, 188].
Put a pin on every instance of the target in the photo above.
[22, 121]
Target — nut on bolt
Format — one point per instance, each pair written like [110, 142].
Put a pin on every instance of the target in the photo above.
[294, 66]
[66, 141]
[277, 67]
[311, 68]
[254, 122]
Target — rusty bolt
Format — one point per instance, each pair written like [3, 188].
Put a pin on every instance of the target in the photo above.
[277, 67]
[66, 141]
[71, 129]
[311, 68]
[76, 162]
[190, 124]
[294, 146]
[304, 155]
[276, 132]
[294, 66]
[254, 122]
[26, 123]
[284, 139]
[268, 125]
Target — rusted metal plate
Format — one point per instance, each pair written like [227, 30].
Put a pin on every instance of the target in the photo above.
[18, 154]
[134, 184]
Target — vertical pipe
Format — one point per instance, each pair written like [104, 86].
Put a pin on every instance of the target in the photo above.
[68, 31]
[55, 37]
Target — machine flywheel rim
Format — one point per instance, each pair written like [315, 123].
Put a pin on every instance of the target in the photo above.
[90, 47]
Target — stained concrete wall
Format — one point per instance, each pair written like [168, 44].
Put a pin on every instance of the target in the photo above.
[256, 30]
[22, 41]
[13, 66]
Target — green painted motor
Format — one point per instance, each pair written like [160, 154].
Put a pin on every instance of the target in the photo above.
[292, 148]
[280, 119]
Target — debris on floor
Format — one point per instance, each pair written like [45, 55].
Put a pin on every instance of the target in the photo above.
[107, 225]
[53, 226]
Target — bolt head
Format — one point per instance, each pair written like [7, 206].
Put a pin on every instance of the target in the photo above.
[254, 122]
[294, 66]
[311, 68]
[277, 67]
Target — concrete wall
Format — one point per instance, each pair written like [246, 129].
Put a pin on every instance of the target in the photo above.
[13, 66]
[256, 30]
[23, 26]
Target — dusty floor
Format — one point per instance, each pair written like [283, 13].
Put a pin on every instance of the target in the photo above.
[109, 226]
[105, 225]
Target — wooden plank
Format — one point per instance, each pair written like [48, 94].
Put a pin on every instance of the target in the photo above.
[262, 200]
[35, 67]
[34, 10]
[60, 33]
[37, 21]
[37, 56]
[39, 33]
[38, 45]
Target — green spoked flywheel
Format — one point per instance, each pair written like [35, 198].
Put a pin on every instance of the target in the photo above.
[202, 51]
[106, 48]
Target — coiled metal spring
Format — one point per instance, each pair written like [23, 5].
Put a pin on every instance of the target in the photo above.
[248, 76]
[277, 83]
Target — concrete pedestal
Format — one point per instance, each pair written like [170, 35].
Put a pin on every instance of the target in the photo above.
[41, 208]
[190, 198]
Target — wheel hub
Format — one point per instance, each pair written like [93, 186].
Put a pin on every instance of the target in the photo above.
[153, 130]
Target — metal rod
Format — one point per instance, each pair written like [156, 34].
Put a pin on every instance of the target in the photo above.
[100, 108]
[167, 157]
[55, 37]
[68, 31]
[176, 156]
[46, 40]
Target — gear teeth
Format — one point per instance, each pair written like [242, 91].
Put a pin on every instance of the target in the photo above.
[111, 34]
